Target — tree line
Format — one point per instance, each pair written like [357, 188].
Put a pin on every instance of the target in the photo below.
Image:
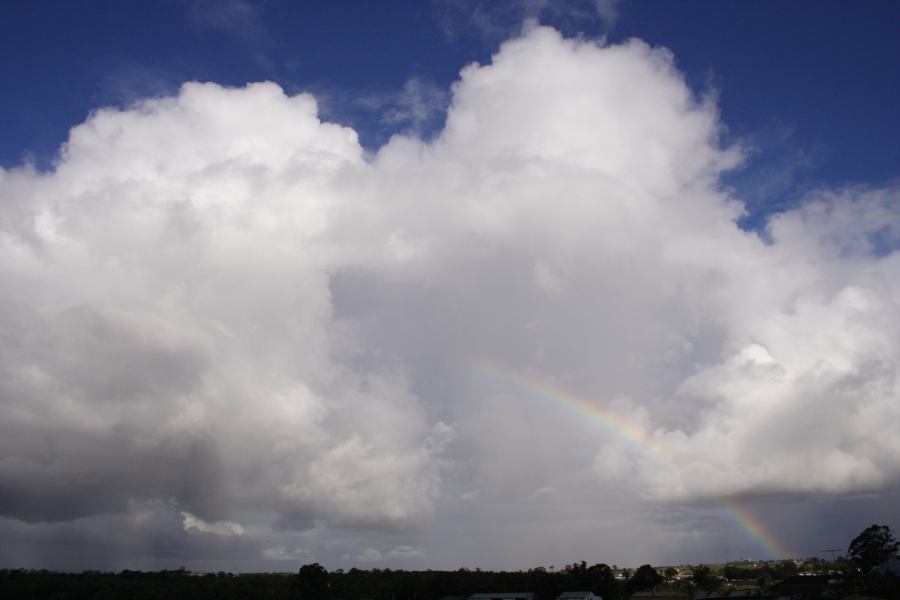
[861, 571]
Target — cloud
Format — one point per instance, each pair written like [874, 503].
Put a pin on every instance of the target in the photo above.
[814, 373]
[190, 522]
[419, 103]
[406, 553]
[151, 535]
[171, 334]
[240, 19]
[608, 10]
[418, 108]
[373, 556]
[544, 492]
[296, 555]
[495, 21]
[369, 555]
[219, 302]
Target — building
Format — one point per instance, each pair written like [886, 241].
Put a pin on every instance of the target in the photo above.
[578, 596]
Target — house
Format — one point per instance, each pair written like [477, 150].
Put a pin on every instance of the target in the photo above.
[578, 596]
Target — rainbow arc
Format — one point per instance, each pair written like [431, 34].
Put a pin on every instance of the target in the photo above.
[741, 517]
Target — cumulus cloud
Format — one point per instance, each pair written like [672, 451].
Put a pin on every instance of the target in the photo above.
[374, 556]
[813, 374]
[218, 301]
[282, 554]
[369, 555]
[168, 331]
[190, 522]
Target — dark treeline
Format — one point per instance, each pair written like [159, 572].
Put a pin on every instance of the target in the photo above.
[385, 584]
[137, 585]
[863, 572]
[767, 572]
[312, 582]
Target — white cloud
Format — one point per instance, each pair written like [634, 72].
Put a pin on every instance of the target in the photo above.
[406, 553]
[545, 493]
[369, 555]
[215, 299]
[191, 522]
[295, 555]
[170, 329]
[374, 556]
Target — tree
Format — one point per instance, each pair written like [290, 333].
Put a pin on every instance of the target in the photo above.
[603, 582]
[670, 574]
[644, 578]
[311, 583]
[703, 579]
[784, 569]
[874, 546]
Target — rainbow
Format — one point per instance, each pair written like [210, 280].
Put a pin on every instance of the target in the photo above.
[743, 519]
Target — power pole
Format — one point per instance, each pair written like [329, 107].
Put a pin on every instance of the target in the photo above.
[832, 550]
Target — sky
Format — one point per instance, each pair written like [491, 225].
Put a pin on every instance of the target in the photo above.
[449, 283]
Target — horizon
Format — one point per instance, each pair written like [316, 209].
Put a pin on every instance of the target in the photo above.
[618, 570]
[393, 286]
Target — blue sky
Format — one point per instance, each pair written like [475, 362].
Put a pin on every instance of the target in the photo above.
[812, 85]
[276, 299]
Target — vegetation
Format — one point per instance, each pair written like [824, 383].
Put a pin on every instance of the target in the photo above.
[645, 578]
[874, 546]
[859, 573]
[312, 582]
[761, 574]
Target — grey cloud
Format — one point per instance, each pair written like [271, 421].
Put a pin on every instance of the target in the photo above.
[150, 536]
